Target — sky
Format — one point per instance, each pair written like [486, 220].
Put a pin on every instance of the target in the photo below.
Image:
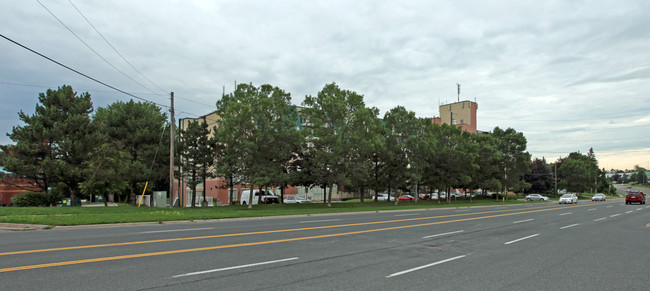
[569, 75]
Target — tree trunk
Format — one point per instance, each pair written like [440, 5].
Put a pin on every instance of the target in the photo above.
[230, 199]
[362, 192]
[132, 194]
[329, 197]
[250, 196]
[73, 197]
[282, 194]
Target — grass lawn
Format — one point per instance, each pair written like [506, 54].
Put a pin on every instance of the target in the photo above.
[125, 213]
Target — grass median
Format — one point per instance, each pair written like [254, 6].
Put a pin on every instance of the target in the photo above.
[58, 216]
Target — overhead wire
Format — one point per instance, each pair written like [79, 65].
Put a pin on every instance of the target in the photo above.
[80, 73]
[114, 49]
[93, 50]
[89, 90]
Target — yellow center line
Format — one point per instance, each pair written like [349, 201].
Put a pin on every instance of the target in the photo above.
[142, 255]
[245, 233]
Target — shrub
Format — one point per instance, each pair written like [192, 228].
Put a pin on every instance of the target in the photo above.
[30, 199]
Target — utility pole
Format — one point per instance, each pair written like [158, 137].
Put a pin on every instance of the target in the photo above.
[458, 85]
[171, 154]
[555, 180]
[205, 185]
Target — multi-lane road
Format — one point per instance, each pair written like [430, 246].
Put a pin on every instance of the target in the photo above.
[536, 246]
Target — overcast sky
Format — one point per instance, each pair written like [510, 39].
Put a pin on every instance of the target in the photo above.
[570, 75]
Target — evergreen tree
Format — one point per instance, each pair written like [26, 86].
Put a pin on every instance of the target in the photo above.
[198, 149]
[55, 141]
[139, 131]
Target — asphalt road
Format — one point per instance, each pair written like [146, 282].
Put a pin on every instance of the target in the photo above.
[536, 246]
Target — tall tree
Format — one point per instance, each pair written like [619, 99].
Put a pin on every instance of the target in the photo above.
[399, 126]
[581, 173]
[56, 140]
[198, 148]
[106, 170]
[140, 131]
[454, 159]
[488, 160]
[257, 131]
[515, 161]
[367, 140]
[540, 177]
[331, 114]
[641, 177]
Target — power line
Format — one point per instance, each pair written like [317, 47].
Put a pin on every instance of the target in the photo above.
[91, 90]
[89, 47]
[80, 73]
[586, 130]
[114, 49]
[605, 139]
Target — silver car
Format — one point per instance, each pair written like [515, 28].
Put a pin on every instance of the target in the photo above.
[598, 197]
[536, 197]
[568, 198]
[296, 200]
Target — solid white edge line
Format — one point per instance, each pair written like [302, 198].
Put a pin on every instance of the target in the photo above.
[410, 214]
[525, 220]
[425, 266]
[599, 219]
[324, 220]
[235, 267]
[565, 213]
[572, 225]
[614, 215]
[441, 234]
[175, 230]
[520, 239]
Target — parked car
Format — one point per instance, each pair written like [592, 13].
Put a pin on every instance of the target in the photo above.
[536, 197]
[568, 198]
[296, 200]
[405, 198]
[634, 197]
[598, 197]
[383, 197]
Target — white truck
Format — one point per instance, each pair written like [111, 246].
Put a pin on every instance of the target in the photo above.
[260, 197]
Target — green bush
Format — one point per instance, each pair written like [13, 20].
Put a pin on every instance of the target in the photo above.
[30, 199]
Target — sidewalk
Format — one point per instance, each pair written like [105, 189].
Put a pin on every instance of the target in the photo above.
[22, 227]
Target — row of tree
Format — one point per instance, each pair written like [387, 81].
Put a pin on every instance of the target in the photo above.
[66, 152]
[575, 173]
[262, 140]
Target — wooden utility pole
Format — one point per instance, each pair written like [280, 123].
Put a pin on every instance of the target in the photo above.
[171, 154]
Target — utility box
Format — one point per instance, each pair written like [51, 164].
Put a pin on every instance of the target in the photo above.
[160, 198]
[68, 202]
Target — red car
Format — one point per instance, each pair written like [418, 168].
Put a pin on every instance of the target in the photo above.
[405, 198]
[634, 196]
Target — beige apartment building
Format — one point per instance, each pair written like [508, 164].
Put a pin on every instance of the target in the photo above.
[461, 114]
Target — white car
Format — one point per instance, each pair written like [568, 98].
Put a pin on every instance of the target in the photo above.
[383, 197]
[531, 197]
[568, 198]
[598, 197]
[296, 200]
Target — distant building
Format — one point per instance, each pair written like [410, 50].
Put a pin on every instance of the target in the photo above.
[461, 114]
[10, 187]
